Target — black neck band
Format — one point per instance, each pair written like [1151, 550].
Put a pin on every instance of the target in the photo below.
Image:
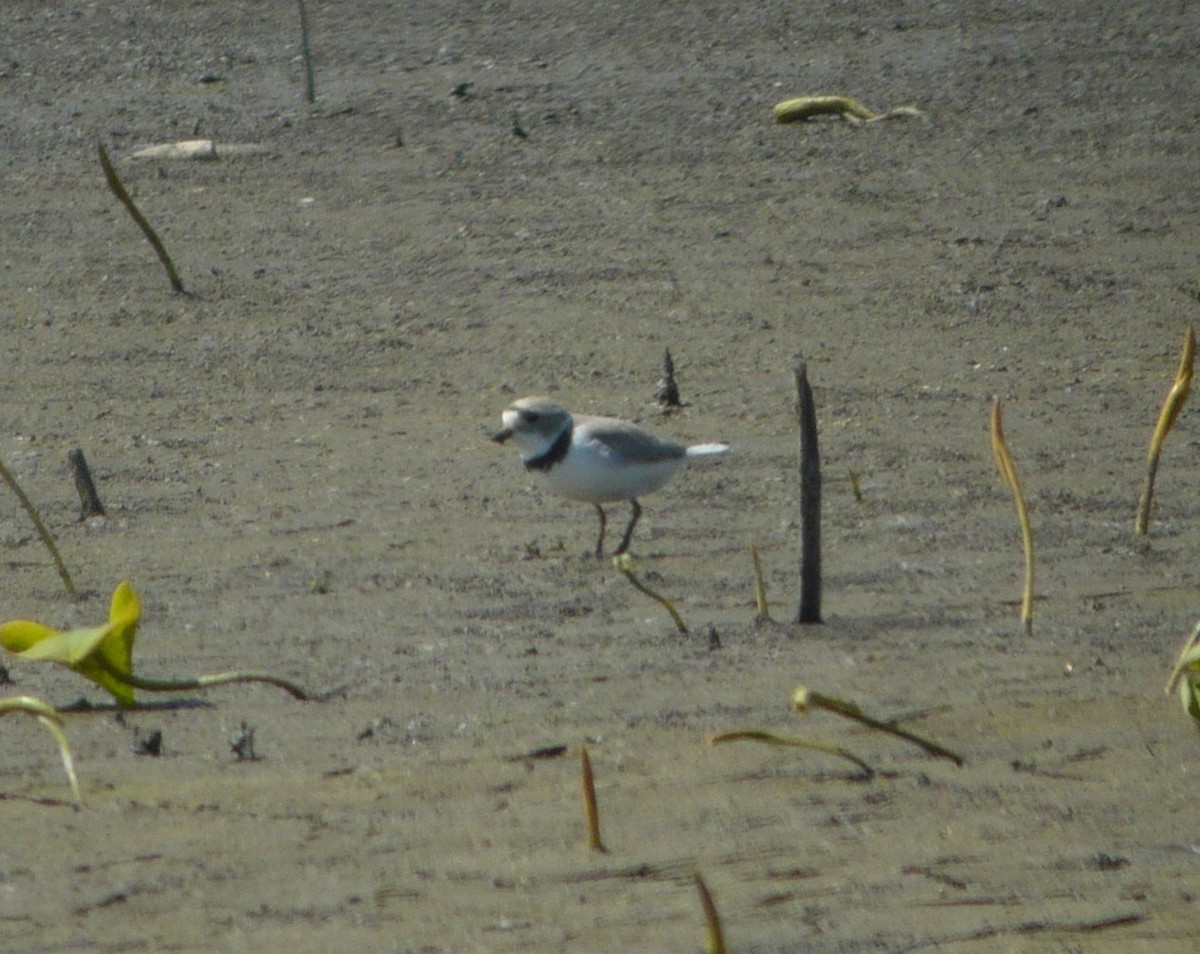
[554, 453]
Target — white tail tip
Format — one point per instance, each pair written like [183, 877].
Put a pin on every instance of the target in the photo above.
[700, 450]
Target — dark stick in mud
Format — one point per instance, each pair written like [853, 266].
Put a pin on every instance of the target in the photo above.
[810, 501]
[89, 500]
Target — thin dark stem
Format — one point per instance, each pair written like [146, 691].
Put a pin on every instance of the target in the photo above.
[40, 526]
[200, 682]
[310, 86]
[850, 711]
[810, 501]
[118, 188]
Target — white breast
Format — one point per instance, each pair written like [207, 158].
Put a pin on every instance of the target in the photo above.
[597, 472]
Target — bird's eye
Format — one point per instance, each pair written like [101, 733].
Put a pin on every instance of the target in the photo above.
[530, 417]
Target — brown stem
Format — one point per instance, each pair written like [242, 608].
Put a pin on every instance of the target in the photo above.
[47, 539]
[118, 188]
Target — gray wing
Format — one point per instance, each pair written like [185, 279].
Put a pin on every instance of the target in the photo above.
[627, 442]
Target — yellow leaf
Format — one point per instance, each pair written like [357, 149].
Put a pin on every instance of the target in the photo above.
[102, 654]
[69, 648]
[18, 635]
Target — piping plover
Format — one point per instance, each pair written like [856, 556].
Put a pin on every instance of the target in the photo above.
[594, 459]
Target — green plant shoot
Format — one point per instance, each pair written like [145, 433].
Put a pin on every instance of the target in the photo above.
[1186, 675]
[104, 654]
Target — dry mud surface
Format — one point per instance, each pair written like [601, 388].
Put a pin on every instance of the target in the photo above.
[298, 478]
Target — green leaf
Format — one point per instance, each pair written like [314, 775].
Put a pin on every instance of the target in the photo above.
[1189, 695]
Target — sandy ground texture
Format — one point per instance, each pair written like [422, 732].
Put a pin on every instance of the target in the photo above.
[490, 200]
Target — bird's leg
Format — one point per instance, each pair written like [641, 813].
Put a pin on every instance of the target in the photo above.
[633, 519]
[603, 524]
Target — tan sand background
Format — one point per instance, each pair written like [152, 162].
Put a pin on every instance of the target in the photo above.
[298, 476]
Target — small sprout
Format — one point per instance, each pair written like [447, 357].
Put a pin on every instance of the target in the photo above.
[760, 588]
[716, 934]
[856, 487]
[803, 699]
[1009, 472]
[591, 811]
[774, 738]
[118, 188]
[804, 108]
[49, 717]
[1166, 420]
[43, 533]
[623, 564]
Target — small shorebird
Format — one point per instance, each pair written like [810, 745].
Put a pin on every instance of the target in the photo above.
[594, 459]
